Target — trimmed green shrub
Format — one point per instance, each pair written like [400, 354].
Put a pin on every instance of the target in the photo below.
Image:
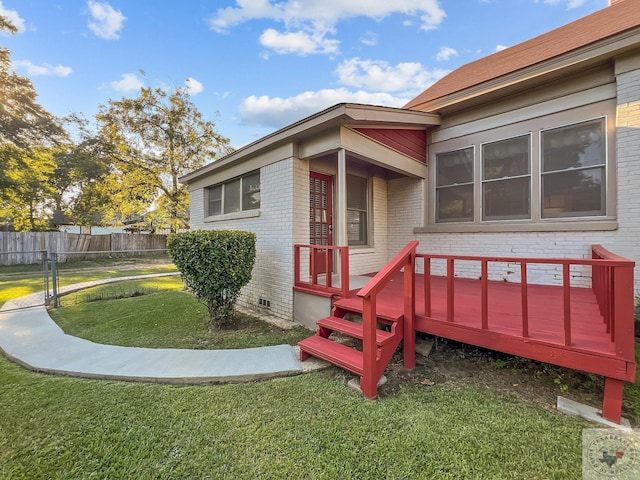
[215, 265]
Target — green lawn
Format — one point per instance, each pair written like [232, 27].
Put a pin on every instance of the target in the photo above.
[307, 426]
[164, 316]
[16, 282]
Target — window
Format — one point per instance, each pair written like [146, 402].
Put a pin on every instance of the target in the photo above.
[454, 186]
[573, 170]
[506, 179]
[215, 200]
[239, 194]
[357, 210]
[556, 171]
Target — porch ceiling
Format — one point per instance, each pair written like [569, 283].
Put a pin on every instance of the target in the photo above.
[365, 149]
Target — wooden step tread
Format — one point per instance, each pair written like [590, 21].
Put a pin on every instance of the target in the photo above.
[336, 353]
[386, 312]
[353, 329]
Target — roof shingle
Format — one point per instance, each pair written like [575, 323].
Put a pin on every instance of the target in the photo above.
[612, 20]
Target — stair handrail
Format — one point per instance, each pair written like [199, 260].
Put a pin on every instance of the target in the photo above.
[405, 259]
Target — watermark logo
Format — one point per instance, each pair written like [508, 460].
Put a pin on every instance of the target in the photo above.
[610, 453]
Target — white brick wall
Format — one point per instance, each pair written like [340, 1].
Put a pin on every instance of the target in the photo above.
[283, 218]
[406, 211]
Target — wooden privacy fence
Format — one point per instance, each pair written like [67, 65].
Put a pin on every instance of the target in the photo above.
[12, 243]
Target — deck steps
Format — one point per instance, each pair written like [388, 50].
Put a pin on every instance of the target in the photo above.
[333, 352]
[352, 329]
[385, 312]
[322, 346]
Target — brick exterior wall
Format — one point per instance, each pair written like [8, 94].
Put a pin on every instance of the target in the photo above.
[283, 220]
[406, 211]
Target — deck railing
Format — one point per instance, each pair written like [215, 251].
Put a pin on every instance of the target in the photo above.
[321, 269]
[612, 283]
[404, 260]
[613, 286]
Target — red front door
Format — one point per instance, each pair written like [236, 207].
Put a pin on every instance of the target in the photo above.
[320, 215]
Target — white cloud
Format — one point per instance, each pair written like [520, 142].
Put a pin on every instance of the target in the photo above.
[107, 22]
[499, 48]
[370, 39]
[301, 43]
[193, 86]
[277, 112]
[129, 83]
[13, 17]
[445, 53]
[43, 70]
[571, 4]
[307, 23]
[376, 75]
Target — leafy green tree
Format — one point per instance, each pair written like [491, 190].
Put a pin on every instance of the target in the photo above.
[28, 198]
[79, 179]
[23, 122]
[151, 141]
[215, 265]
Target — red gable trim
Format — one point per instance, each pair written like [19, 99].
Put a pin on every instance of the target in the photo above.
[412, 143]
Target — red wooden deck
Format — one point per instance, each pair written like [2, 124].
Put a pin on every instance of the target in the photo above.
[587, 329]
[591, 348]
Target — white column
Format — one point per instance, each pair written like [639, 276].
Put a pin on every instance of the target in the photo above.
[340, 207]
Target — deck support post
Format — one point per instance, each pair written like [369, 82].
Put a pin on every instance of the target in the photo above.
[612, 402]
[408, 322]
[369, 379]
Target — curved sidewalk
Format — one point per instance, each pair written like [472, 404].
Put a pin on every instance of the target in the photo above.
[30, 337]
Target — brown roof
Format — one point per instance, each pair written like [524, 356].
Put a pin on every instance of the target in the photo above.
[609, 21]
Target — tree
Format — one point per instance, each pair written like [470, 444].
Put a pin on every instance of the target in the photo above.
[80, 177]
[23, 122]
[215, 265]
[153, 140]
[29, 194]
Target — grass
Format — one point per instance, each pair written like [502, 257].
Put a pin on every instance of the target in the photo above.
[159, 314]
[29, 279]
[309, 426]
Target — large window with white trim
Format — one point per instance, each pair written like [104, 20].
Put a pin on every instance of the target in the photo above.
[573, 170]
[236, 195]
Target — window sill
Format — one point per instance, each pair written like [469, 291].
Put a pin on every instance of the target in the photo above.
[572, 225]
[232, 216]
[361, 249]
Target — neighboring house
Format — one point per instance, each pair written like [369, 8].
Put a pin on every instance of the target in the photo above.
[532, 151]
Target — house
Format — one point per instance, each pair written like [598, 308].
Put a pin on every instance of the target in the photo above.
[532, 152]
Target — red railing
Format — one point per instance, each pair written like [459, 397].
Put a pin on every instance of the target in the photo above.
[404, 260]
[612, 283]
[613, 286]
[321, 269]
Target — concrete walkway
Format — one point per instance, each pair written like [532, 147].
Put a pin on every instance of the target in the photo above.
[30, 337]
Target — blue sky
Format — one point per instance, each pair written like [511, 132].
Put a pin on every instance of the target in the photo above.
[254, 66]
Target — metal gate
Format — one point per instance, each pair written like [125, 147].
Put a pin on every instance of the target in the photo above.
[24, 279]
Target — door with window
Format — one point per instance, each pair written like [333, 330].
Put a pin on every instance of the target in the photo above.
[320, 217]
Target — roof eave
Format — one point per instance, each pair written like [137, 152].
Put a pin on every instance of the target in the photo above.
[340, 114]
[586, 55]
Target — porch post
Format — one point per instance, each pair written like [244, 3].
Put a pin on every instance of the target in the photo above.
[340, 206]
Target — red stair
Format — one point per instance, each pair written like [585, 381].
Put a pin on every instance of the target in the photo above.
[377, 345]
[352, 359]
